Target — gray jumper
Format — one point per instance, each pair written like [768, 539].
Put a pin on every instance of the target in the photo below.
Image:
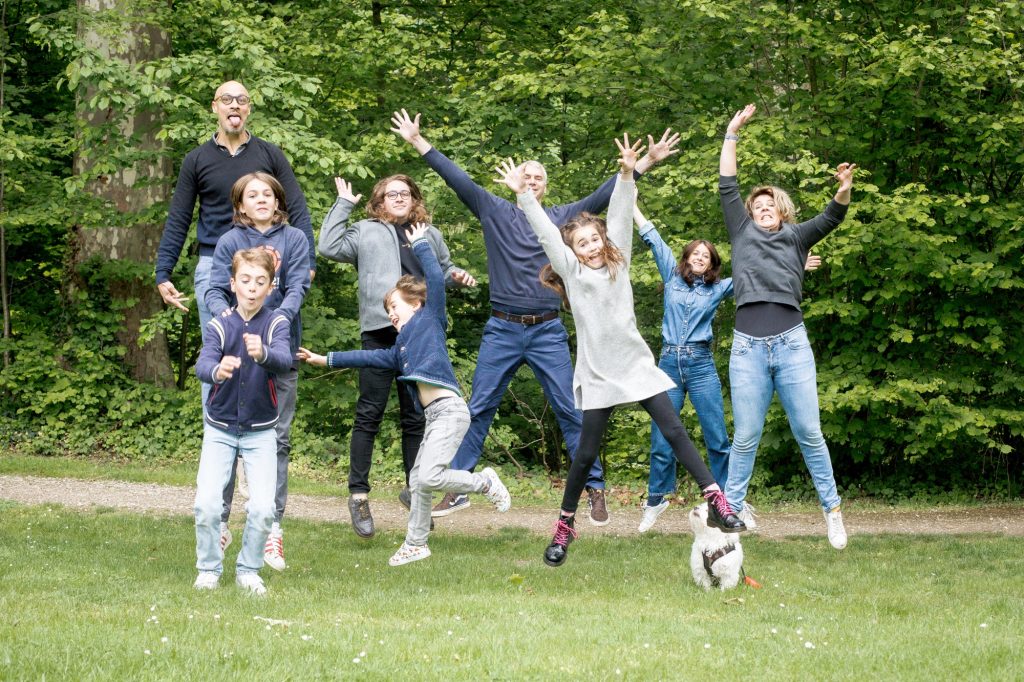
[614, 365]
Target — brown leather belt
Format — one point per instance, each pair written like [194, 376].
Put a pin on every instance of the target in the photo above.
[525, 319]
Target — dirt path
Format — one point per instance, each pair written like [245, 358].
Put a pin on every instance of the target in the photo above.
[389, 515]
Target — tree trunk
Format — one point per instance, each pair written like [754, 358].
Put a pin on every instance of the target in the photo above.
[136, 243]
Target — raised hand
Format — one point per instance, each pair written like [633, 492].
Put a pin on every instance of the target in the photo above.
[628, 154]
[416, 231]
[253, 346]
[740, 119]
[228, 365]
[310, 357]
[512, 175]
[663, 148]
[345, 191]
[812, 263]
[408, 128]
[844, 174]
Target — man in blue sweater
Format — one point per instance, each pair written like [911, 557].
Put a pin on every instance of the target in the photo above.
[207, 174]
[524, 324]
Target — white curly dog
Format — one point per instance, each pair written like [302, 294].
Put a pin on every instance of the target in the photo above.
[716, 558]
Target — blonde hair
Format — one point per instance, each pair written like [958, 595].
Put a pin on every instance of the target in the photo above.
[257, 257]
[787, 211]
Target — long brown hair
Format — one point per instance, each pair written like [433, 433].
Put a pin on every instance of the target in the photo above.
[375, 208]
[238, 193]
[613, 257]
[711, 275]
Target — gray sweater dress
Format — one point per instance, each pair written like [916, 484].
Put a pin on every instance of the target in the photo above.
[614, 365]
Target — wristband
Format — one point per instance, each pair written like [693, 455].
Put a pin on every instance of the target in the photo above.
[732, 136]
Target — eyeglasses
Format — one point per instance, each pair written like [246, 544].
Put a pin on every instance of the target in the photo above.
[228, 99]
[404, 194]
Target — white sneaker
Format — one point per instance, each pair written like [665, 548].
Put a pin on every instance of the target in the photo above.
[273, 551]
[207, 580]
[748, 516]
[225, 536]
[407, 554]
[836, 530]
[497, 494]
[651, 515]
[252, 583]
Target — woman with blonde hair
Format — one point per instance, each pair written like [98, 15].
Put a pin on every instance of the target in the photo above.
[770, 350]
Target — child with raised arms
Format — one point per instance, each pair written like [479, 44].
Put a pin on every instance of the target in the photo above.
[590, 268]
[420, 358]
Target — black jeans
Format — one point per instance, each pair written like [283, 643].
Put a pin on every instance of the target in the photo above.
[374, 391]
[595, 422]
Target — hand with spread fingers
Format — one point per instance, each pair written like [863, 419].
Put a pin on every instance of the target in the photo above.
[628, 154]
[512, 175]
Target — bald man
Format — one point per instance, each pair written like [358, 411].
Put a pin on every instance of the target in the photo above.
[207, 174]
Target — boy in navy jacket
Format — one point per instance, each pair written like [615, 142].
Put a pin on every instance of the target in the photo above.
[242, 352]
[420, 357]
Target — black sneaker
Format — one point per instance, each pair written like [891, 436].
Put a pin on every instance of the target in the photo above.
[405, 498]
[565, 533]
[720, 514]
[449, 504]
[362, 520]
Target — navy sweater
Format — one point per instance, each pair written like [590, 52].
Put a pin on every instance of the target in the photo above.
[207, 173]
[248, 400]
[291, 280]
[514, 256]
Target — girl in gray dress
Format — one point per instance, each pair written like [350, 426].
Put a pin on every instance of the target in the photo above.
[613, 363]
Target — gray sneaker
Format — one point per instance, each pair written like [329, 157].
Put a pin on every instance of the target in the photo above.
[405, 498]
[362, 520]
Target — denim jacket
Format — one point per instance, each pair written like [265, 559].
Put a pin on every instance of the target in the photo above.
[689, 310]
[420, 353]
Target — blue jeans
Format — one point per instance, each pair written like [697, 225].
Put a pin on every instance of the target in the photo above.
[504, 348]
[692, 368]
[258, 450]
[200, 285]
[759, 368]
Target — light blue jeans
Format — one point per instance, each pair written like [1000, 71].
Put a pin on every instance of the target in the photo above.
[200, 285]
[759, 368]
[258, 450]
[692, 368]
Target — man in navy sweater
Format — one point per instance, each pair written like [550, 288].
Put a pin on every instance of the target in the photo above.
[525, 324]
[207, 174]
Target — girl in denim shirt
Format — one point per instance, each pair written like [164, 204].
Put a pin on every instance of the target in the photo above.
[420, 358]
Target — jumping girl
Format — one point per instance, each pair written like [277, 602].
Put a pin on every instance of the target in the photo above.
[613, 363]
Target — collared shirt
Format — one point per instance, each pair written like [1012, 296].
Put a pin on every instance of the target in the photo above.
[689, 309]
[248, 136]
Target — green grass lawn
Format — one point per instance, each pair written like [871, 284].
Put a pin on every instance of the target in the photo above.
[106, 595]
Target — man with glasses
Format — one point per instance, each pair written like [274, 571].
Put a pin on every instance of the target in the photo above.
[207, 174]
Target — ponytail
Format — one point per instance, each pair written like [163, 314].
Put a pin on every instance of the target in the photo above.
[552, 280]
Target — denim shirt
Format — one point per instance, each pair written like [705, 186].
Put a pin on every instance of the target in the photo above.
[689, 310]
[420, 353]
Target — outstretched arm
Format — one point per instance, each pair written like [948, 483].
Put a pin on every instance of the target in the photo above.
[620, 208]
[663, 256]
[727, 161]
[436, 300]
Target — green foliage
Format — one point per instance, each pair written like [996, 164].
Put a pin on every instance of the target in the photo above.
[911, 316]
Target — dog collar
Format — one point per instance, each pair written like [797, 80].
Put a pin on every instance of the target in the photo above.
[710, 559]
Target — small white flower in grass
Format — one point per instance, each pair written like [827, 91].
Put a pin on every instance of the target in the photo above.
[983, 625]
[782, 606]
[808, 645]
[618, 671]
[357, 565]
[707, 645]
[355, 660]
[647, 645]
[775, 631]
[458, 617]
[449, 632]
[362, 654]
[799, 617]
[216, 616]
[164, 640]
[153, 607]
[799, 631]
[148, 652]
[380, 641]
[190, 616]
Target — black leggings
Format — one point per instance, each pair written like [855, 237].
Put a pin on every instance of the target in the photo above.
[595, 422]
